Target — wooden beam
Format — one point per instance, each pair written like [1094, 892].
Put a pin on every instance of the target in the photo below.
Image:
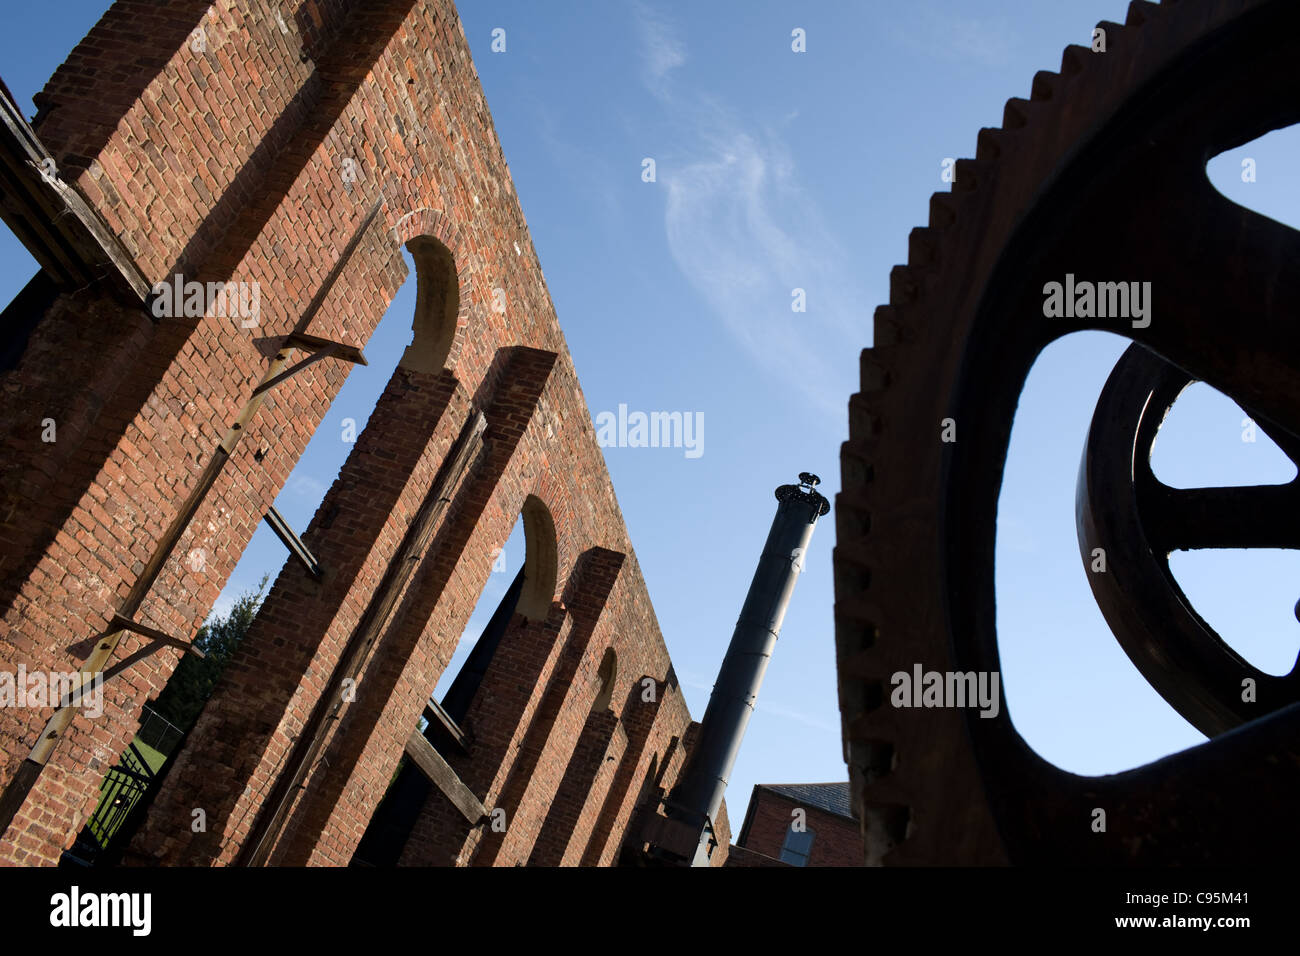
[314, 343]
[440, 774]
[435, 715]
[126, 624]
[63, 232]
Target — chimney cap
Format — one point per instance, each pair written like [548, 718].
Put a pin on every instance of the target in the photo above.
[805, 490]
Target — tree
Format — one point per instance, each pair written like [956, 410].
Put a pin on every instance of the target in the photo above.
[191, 684]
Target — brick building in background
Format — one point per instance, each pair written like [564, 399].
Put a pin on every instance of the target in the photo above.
[798, 824]
[293, 149]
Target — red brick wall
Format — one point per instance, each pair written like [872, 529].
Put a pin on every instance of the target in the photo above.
[224, 160]
[837, 841]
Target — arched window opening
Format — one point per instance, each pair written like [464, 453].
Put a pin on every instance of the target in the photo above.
[325, 455]
[437, 303]
[530, 592]
[541, 562]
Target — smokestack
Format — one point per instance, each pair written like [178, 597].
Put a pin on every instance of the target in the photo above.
[697, 797]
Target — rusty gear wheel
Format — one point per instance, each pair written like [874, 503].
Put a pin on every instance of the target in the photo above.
[1100, 174]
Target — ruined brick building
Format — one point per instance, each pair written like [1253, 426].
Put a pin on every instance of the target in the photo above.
[293, 149]
[798, 824]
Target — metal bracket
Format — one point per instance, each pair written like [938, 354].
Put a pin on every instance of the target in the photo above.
[155, 635]
[320, 348]
[291, 541]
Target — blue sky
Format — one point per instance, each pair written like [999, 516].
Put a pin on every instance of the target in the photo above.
[778, 170]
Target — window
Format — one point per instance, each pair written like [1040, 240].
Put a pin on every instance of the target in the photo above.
[797, 846]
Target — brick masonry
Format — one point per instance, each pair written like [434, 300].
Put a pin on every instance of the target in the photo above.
[212, 139]
[836, 837]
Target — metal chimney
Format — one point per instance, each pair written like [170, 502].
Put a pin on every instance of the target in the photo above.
[695, 800]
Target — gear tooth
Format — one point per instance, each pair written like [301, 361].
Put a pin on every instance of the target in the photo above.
[856, 471]
[1015, 114]
[988, 145]
[864, 423]
[852, 523]
[969, 174]
[943, 211]
[1074, 59]
[904, 286]
[885, 826]
[1044, 85]
[854, 639]
[1139, 12]
[873, 376]
[850, 577]
[875, 759]
[921, 247]
[888, 326]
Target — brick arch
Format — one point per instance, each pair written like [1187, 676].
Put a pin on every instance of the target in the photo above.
[442, 294]
[541, 560]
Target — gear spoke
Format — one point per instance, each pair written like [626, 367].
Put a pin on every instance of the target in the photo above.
[1234, 327]
[1254, 516]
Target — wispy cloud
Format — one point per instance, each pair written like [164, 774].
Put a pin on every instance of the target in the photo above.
[791, 713]
[305, 486]
[764, 705]
[746, 236]
[951, 36]
[661, 50]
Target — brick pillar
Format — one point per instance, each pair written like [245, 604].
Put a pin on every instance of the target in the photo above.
[549, 744]
[581, 792]
[366, 741]
[507, 698]
[638, 721]
[232, 756]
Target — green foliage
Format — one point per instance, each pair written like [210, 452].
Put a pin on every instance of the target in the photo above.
[191, 684]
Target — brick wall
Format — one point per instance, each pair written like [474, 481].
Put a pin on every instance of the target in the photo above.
[837, 840]
[212, 139]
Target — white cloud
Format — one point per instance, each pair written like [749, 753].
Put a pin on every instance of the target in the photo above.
[745, 236]
[305, 486]
[949, 36]
[790, 713]
[661, 51]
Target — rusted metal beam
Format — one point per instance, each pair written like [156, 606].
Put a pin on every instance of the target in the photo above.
[290, 540]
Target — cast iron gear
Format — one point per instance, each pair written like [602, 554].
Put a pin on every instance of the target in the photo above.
[1101, 175]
